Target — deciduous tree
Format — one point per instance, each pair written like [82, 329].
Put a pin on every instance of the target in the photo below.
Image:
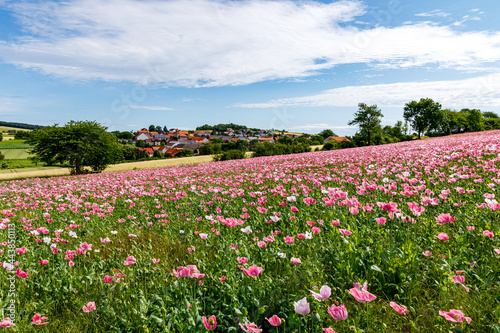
[368, 119]
[423, 115]
[80, 143]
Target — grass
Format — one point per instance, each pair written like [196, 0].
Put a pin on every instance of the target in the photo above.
[16, 154]
[13, 144]
[7, 128]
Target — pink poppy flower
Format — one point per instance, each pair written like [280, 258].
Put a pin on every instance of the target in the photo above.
[488, 233]
[6, 323]
[253, 271]
[242, 260]
[105, 240]
[250, 328]
[108, 279]
[222, 278]
[427, 253]
[89, 307]
[399, 308]
[262, 244]
[130, 261]
[155, 261]
[22, 274]
[361, 294]
[289, 239]
[460, 280]
[302, 306]
[324, 293]
[295, 261]
[381, 220]
[336, 223]
[194, 272]
[444, 218]
[497, 251]
[233, 247]
[71, 263]
[338, 312]
[181, 272]
[455, 316]
[315, 230]
[39, 320]
[345, 232]
[470, 228]
[211, 323]
[329, 330]
[294, 209]
[22, 250]
[443, 236]
[203, 236]
[43, 262]
[85, 247]
[274, 320]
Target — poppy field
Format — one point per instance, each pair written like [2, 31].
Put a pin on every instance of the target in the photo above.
[393, 238]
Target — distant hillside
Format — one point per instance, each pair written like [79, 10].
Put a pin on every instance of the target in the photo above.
[20, 125]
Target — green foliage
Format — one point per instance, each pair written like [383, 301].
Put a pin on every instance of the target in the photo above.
[474, 120]
[270, 149]
[185, 153]
[20, 125]
[123, 135]
[423, 115]
[2, 156]
[285, 140]
[242, 145]
[141, 144]
[132, 153]
[490, 115]
[1, 136]
[326, 133]
[330, 145]
[80, 143]
[210, 149]
[22, 135]
[221, 127]
[368, 119]
[234, 154]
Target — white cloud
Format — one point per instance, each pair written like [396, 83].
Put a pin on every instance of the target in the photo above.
[480, 91]
[217, 43]
[319, 127]
[436, 13]
[152, 108]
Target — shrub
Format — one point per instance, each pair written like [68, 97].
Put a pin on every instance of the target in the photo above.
[234, 154]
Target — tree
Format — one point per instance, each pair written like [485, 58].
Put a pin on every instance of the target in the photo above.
[184, 153]
[490, 115]
[326, 133]
[474, 120]
[165, 129]
[423, 115]
[158, 128]
[1, 136]
[152, 128]
[81, 143]
[368, 119]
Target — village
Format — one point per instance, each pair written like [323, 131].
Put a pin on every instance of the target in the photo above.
[172, 141]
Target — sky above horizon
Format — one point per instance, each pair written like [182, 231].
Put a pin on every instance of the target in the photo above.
[296, 65]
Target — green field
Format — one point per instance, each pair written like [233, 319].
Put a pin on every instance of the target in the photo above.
[14, 144]
[6, 128]
[16, 154]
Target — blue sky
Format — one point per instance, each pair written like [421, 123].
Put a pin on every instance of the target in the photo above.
[296, 65]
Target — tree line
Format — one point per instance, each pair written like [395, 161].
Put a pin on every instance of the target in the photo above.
[424, 117]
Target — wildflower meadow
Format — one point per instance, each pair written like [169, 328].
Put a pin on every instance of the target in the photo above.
[394, 238]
